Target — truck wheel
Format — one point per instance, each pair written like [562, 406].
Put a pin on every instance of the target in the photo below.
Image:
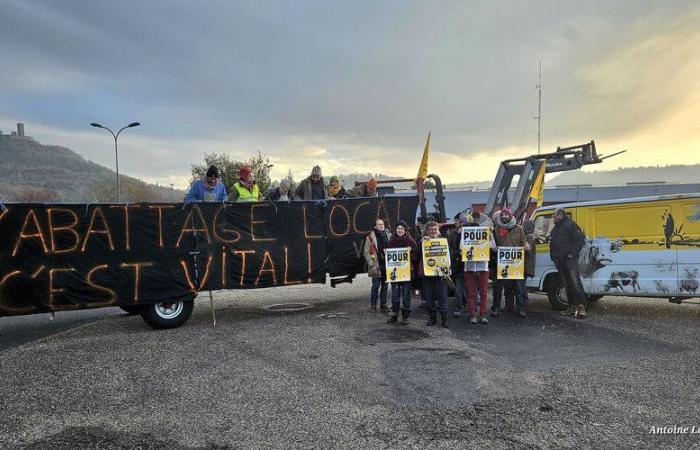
[595, 298]
[167, 314]
[556, 293]
[132, 309]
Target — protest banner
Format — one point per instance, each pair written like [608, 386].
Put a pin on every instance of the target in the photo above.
[511, 263]
[398, 264]
[436, 257]
[475, 243]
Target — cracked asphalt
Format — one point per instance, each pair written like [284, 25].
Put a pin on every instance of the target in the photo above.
[337, 376]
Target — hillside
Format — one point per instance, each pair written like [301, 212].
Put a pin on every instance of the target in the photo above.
[624, 175]
[28, 165]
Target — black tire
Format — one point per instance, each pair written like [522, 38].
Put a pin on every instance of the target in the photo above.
[556, 293]
[594, 298]
[167, 314]
[132, 309]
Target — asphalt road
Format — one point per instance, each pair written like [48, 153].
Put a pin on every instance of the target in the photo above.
[337, 376]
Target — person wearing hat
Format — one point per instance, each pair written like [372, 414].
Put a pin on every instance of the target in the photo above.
[368, 189]
[245, 189]
[312, 187]
[281, 193]
[336, 190]
[207, 189]
[507, 233]
[454, 239]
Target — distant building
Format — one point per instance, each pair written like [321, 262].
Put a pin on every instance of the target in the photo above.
[458, 200]
[17, 135]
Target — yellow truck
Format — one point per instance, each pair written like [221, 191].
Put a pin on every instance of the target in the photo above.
[641, 247]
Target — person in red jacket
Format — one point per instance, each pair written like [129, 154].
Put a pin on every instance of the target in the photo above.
[401, 292]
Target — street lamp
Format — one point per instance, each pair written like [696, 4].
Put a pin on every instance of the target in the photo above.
[116, 153]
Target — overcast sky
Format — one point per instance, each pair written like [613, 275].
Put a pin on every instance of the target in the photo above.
[352, 85]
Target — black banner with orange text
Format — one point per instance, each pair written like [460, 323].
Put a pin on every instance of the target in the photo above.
[76, 256]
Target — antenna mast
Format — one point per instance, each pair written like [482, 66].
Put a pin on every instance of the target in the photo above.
[539, 110]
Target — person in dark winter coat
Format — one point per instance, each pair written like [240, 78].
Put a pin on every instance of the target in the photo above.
[336, 190]
[401, 292]
[375, 243]
[282, 193]
[454, 240]
[567, 240]
[508, 233]
[435, 287]
[312, 187]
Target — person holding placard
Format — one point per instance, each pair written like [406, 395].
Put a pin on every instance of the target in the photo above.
[436, 269]
[400, 250]
[507, 233]
[476, 245]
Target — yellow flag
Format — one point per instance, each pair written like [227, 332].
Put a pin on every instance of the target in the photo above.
[537, 191]
[423, 169]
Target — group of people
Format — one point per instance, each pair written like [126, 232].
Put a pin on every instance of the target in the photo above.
[209, 188]
[470, 279]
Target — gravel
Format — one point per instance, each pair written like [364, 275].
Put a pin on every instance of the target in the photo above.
[337, 376]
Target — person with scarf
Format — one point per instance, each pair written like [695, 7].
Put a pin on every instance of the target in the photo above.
[401, 292]
[312, 187]
[282, 193]
[207, 189]
[375, 243]
[336, 190]
[245, 189]
[508, 233]
[368, 189]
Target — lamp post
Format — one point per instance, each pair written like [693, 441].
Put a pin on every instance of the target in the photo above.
[116, 153]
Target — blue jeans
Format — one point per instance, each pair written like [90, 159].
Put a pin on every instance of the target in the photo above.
[377, 284]
[436, 294]
[401, 296]
[460, 293]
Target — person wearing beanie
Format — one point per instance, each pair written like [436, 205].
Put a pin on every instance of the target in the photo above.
[507, 233]
[245, 189]
[476, 279]
[207, 189]
[368, 189]
[336, 190]
[401, 292]
[454, 239]
[312, 187]
[281, 193]
[375, 243]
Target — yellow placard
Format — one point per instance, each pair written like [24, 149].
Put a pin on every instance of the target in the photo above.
[436, 257]
[398, 264]
[511, 263]
[475, 244]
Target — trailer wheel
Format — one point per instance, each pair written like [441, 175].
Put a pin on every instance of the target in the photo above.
[556, 293]
[132, 309]
[167, 314]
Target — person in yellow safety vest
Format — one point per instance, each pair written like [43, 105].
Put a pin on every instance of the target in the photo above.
[245, 189]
